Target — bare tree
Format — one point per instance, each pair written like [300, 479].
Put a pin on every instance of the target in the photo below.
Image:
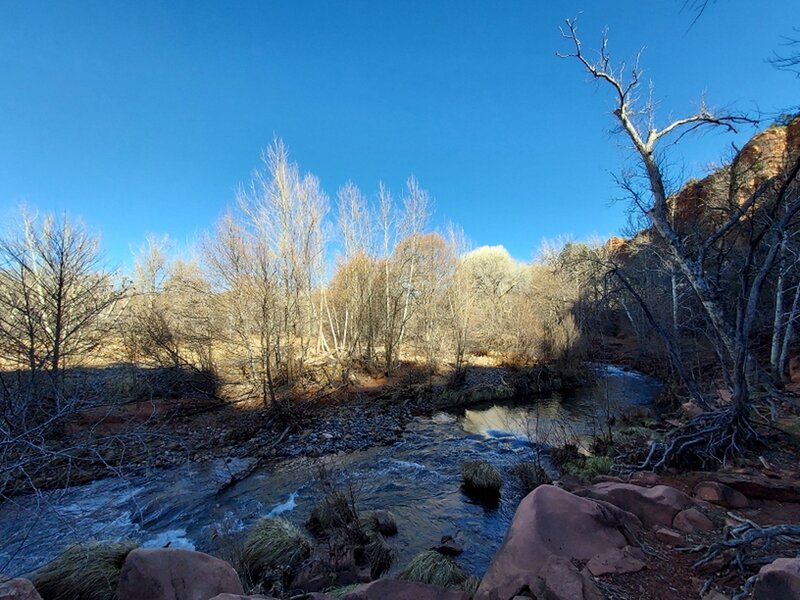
[722, 433]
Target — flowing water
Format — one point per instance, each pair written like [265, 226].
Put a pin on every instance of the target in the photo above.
[417, 478]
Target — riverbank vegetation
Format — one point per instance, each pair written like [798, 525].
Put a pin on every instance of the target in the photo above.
[295, 302]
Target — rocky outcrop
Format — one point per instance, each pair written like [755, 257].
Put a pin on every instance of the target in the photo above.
[783, 487]
[392, 589]
[657, 505]
[760, 159]
[779, 580]
[720, 494]
[550, 528]
[175, 574]
[691, 520]
[18, 589]
[617, 561]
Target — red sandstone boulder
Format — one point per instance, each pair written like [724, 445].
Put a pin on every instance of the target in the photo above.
[779, 580]
[657, 505]
[175, 574]
[720, 494]
[616, 561]
[552, 523]
[392, 589]
[18, 589]
[760, 487]
[668, 536]
[691, 520]
[560, 580]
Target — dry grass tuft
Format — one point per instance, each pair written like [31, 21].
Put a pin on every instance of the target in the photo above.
[274, 545]
[84, 572]
[436, 569]
[481, 476]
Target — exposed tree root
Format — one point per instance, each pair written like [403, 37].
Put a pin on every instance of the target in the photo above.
[711, 437]
[748, 546]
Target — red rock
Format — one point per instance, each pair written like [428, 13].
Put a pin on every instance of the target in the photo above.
[645, 478]
[760, 487]
[551, 522]
[779, 580]
[668, 536]
[175, 574]
[560, 580]
[657, 505]
[691, 520]
[392, 589]
[615, 561]
[18, 589]
[720, 494]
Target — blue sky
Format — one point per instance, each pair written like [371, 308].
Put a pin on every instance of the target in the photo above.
[142, 117]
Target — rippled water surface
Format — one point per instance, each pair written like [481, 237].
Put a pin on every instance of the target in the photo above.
[417, 478]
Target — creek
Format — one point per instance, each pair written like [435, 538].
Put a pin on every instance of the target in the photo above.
[417, 478]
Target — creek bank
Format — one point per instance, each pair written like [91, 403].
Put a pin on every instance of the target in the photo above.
[169, 433]
[604, 540]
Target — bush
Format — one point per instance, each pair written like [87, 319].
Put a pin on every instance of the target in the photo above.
[435, 569]
[530, 476]
[334, 512]
[83, 572]
[381, 521]
[273, 546]
[379, 554]
[588, 467]
[567, 453]
[481, 476]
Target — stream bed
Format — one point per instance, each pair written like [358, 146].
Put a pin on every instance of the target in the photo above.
[417, 478]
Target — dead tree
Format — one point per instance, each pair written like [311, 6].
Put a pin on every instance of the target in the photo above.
[725, 432]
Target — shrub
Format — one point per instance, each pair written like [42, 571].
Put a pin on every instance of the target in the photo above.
[273, 545]
[481, 476]
[530, 476]
[590, 466]
[563, 455]
[334, 511]
[381, 521]
[379, 554]
[436, 569]
[83, 572]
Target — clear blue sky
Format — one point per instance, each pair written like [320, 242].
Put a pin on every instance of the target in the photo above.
[142, 117]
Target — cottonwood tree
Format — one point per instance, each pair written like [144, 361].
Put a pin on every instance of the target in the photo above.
[776, 201]
[351, 294]
[287, 210]
[56, 305]
[400, 233]
[245, 276]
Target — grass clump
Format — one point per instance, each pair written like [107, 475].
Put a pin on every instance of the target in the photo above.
[435, 569]
[341, 592]
[84, 572]
[530, 475]
[565, 454]
[273, 546]
[587, 467]
[333, 512]
[379, 554]
[382, 521]
[481, 476]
